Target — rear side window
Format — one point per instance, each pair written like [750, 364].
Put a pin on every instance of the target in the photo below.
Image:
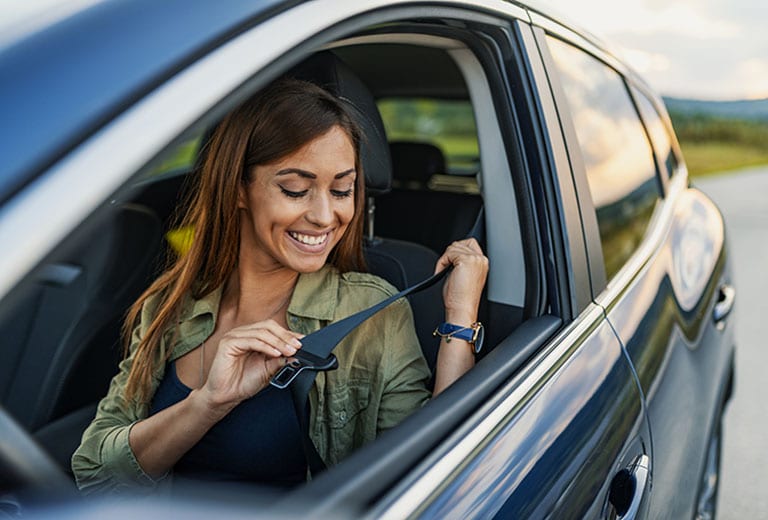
[658, 132]
[617, 155]
[448, 124]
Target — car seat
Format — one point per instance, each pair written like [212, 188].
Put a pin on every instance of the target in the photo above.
[413, 211]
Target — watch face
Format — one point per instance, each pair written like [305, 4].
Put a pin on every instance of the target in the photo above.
[478, 345]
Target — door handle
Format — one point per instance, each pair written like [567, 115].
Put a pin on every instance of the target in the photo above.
[725, 298]
[628, 489]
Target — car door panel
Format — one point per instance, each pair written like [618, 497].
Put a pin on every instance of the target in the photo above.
[664, 318]
[567, 425]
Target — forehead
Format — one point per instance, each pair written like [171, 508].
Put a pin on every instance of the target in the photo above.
[331, 152]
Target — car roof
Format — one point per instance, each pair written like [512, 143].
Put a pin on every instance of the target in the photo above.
[66, 77]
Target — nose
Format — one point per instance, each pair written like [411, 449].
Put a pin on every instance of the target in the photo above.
[320, 213]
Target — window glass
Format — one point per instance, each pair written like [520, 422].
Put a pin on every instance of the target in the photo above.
[657, 130]
[448, 124]
[619, 162]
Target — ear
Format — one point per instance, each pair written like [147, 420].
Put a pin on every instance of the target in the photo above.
[242, 197]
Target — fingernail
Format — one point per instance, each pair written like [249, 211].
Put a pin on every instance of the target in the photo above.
[290, 349]
[296, 343]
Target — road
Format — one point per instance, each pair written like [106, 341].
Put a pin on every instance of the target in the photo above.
[743, 199]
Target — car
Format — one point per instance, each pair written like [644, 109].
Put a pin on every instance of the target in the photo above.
[609, 341]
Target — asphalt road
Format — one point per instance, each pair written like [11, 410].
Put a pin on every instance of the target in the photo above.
[743, 199]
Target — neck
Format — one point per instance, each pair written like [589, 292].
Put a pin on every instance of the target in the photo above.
[253, 296]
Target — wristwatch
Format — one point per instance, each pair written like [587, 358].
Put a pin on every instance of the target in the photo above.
[473, 334]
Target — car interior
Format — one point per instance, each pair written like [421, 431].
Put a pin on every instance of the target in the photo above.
[61, 341]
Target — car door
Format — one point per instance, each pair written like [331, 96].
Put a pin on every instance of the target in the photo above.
[566, 432]
[662, 252]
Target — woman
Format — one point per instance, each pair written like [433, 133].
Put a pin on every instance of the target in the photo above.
[278, 219]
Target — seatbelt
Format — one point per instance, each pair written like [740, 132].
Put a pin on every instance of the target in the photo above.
[316, 355]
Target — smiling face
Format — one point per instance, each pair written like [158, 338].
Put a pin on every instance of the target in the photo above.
[295, 210]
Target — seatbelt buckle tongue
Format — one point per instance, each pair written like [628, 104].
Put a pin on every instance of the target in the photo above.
[302, 361]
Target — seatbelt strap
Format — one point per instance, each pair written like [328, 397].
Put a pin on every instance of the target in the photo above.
[316, 355]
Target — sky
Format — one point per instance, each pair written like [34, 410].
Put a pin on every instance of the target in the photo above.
[702, 49]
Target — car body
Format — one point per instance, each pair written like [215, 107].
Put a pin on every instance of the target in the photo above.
[609, 347]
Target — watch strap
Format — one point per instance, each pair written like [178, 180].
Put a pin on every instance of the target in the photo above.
[471, 334]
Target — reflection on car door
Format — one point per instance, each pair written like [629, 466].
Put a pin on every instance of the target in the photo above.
[664, 262]
[553, 440]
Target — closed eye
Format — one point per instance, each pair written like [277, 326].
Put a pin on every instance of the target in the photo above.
[293, 194]
[342, 194]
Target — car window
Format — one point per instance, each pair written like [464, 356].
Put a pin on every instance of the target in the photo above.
[445, 123]
[137, 226]
[449, 124]
[617, 155]
[657, 131]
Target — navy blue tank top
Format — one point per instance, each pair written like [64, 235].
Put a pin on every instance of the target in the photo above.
[259, 441]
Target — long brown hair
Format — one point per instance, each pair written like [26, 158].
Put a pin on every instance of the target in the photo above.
[277, 121]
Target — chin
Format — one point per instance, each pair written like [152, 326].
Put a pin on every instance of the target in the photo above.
[308, 266]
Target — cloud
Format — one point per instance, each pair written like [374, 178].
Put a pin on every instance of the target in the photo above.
[691, 48]
[645, 62]
[693, 66]
[753, 75]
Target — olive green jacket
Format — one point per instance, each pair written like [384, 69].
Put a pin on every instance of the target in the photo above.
[381, 379]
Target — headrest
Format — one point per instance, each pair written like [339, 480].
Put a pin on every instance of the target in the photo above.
[328, 71]
[416, 162]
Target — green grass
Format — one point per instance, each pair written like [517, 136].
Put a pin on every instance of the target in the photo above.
[715, 144]
[708, 157]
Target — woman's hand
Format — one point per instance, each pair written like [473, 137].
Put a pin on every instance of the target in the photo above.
[246, 359]
[463, 288]
[461, 293]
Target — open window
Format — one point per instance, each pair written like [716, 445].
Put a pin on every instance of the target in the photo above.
[439, 84]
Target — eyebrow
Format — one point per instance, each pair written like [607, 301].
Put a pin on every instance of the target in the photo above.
[309, 175]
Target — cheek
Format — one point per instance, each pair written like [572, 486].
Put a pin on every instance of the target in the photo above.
[272, 216]
[347, 212]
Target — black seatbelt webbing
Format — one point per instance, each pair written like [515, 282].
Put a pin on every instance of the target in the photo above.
[315, 354]
[319, 344]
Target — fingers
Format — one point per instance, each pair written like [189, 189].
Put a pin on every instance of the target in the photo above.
[464, 286]
[272, 365]
[462, 252]
[266, 337]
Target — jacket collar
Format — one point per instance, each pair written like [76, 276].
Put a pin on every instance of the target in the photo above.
[316, 294]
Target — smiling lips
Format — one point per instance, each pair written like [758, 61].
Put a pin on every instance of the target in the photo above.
[311, 243]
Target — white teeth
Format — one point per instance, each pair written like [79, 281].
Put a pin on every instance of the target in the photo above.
[309, 240]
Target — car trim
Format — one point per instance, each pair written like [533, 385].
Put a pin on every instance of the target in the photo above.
[426, 40]
[562, 187]
[156, 120]
[506, 275]
[428, 479]
[589, 43]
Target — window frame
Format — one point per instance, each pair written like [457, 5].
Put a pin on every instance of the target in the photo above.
[598, 278]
